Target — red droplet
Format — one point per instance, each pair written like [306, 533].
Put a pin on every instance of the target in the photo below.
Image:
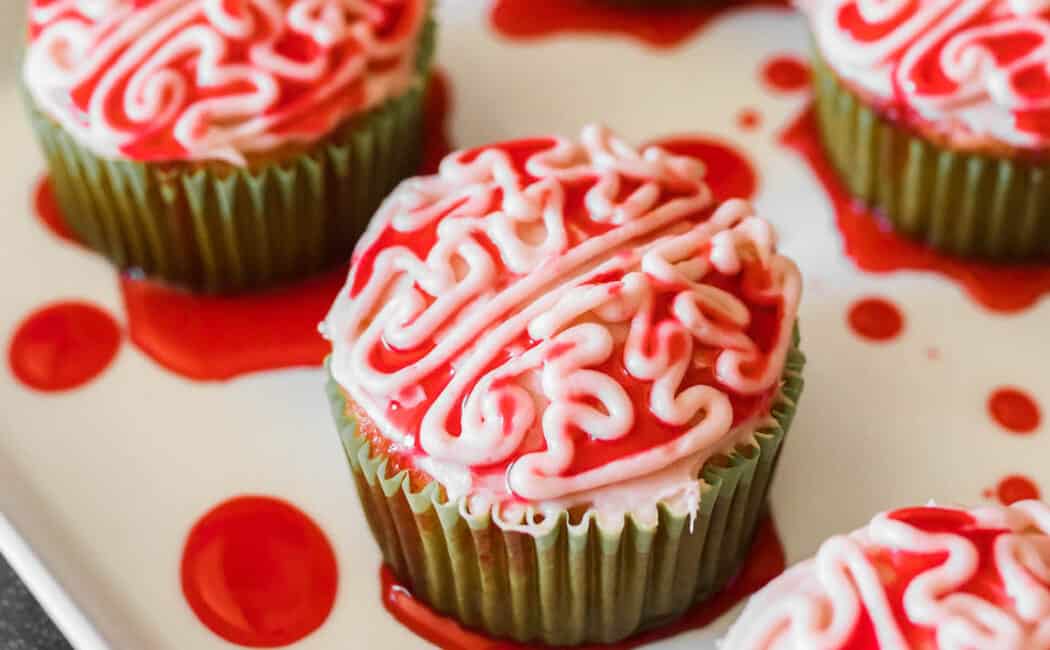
[786, 73]
[730, 173]
[48, 213]
[63, 346]
[749, 119]
[875, 319]
[436, 141]
[933, 354]
[1015, 488]
[1014, 410]
[258, 572]
[764, 562]
[214, 338]
[656, 26]
[876, 249]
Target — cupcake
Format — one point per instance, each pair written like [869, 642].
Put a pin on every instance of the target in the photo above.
[562, 376]
[937, 115]
[226, 146]
[928, 577]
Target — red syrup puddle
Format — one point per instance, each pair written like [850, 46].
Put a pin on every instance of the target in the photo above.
[1014, 410]
[764, 562]
[875, 319]
[216, 338]
[660, 27]
[874, 248]
[63, 346]
[730, 174]
[1012, 489]
[258, 572]
[748, 119]
[786, 73]
[45, 206]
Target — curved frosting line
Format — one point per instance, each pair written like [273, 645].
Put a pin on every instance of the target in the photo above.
[820, 603]
[974, 69]
[215, 79]
[485, 277]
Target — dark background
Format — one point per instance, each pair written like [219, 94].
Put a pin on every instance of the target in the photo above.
[23, 625]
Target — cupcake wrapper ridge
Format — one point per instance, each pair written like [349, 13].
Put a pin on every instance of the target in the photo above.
[580, 581]
[961, 203]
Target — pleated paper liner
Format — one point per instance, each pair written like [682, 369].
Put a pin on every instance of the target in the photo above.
[961, 203]
[581, 581]
[218, 228]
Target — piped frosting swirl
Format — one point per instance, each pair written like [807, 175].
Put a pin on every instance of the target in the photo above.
[177, 80]
[547, 318]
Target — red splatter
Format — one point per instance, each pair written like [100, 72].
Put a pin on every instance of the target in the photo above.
[749, 119]
[1012, 489]
[438, 106]
[48, 212]
[786, 73]
[213, 338]
[933, 354]
[259, 572]
[730, 173]
[764, 562]
[661, 27]
[63, 346]
[875, 248]
[1014, 410]
[875, 319]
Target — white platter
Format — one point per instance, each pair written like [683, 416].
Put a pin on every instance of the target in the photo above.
[104, 482]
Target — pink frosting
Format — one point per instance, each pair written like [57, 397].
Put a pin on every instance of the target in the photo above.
[546, 317]
[976, 70]
[215, 79]
[927, 577]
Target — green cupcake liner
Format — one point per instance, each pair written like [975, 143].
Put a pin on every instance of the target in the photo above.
[962, 203]
[582, 581]
[219, 228]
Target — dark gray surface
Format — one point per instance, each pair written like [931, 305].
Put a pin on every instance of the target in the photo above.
[23, 625]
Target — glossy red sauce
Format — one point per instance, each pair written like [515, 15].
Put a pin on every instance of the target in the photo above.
[786, 73]
[63, 346]
[875, 319]
[660, 27]
[730, 172]
[1014, 488]
[875, 248]
[258, 572]
[1014, 410]
[764, 562]
[48, 213]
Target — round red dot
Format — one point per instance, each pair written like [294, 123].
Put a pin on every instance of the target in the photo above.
[1016, 488]
[63, 346]
[875, 319]
[1014, 410]
[786, 73]
[749, 119]
[258, 572]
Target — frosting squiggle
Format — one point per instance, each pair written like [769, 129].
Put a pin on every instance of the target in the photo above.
[553, 317]
[215, 79]
[979, 69]
[915, 578]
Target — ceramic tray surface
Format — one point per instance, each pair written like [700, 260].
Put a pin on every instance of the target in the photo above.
[129, 413]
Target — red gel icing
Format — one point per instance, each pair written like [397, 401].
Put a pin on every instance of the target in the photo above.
[1014, 410]
[63, 346]
[764, 562]
[661, 27]
[875, 248]
[220, 337]
[786, 73]
[875, 319]
[1014, 488]
[258, 572]
[749, 119]
[45, 206]
[730, 173]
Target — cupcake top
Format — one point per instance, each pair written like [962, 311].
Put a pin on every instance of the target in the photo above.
[548, 322]
[972, 71]
[192, 80]
[926, 577]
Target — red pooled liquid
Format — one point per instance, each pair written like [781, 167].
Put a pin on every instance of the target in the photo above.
[1015, 488]
[1014, 410]
[730, 173]
[786, 73]
[259, 573]
[63, 346]
[875, 319]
